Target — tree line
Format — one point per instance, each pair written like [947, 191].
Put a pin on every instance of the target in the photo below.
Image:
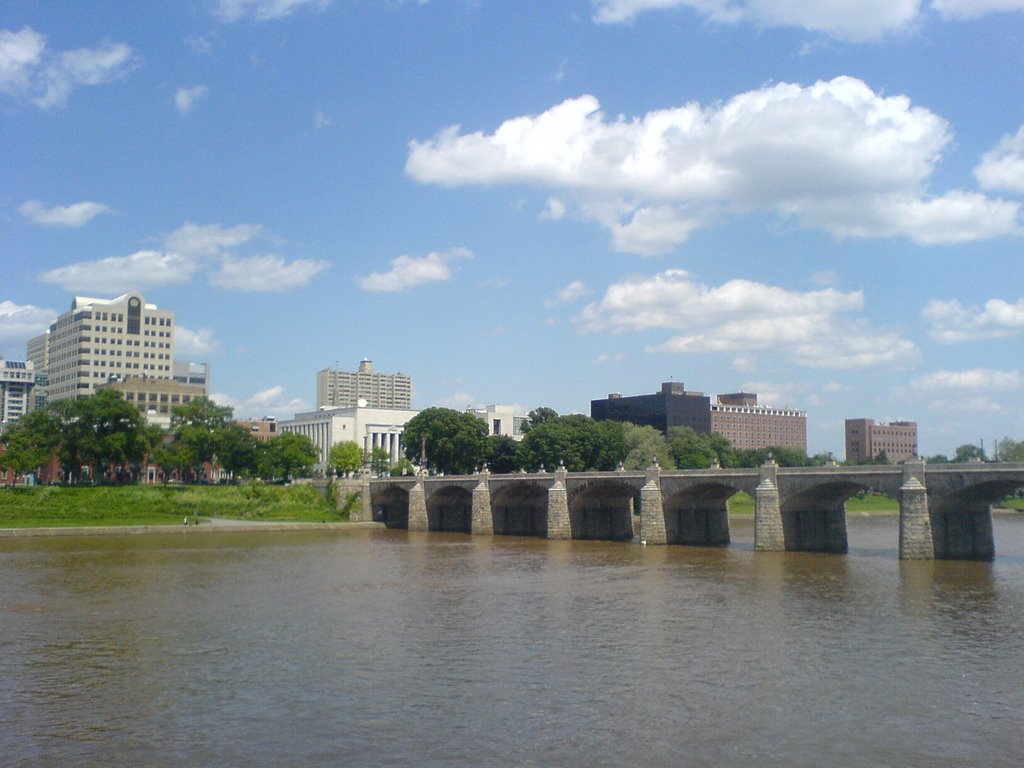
[109, 439]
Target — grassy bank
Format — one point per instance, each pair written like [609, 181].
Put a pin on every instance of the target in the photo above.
[870, 504]
[156, 505]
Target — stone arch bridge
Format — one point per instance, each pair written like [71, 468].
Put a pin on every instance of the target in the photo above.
[945, 510]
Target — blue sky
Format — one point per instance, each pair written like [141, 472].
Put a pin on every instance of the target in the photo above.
[537, 202]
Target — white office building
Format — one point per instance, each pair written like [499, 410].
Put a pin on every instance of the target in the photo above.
[17, 380]
[502, 419]
[366, 426]
[102, 339]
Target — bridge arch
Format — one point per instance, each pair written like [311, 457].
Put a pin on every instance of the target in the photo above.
[603, 509]
[814, 518]
[390, 505]
[450, 508]
[961, 518]
[698, 515]
[520, 510]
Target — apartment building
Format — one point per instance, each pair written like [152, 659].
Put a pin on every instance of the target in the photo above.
[363, 387]
[17, 381]
[865, 440]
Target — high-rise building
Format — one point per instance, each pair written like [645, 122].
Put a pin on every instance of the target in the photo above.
[866, 440]
[17, 380]
[736, 416]
[364, 388]
[102, 339]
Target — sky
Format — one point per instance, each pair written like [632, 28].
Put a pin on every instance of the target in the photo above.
[537, 202]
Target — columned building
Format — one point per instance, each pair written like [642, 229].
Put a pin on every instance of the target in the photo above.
[368, 427]
[347, 389]
[865, 440]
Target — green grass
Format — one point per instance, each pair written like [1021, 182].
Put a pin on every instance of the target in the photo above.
[743, 504]
[157, 504]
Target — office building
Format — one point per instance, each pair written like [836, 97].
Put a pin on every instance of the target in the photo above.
[866, 440]
[194, 374]
[262, 430]
[17, 382]
[101, 339]
[737, 416]
[501, 419]
[348, 389]
[155, 398]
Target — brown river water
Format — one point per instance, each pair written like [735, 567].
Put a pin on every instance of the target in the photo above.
[385, 648]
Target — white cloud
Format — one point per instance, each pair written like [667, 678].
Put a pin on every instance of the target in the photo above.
[1003, 167]
[321, 121]
[195, 343]
[185, 99]
[117, 274]
[972, 9]
[409, 272]
[20, 322]
[200, 46]
[977, 379]
[266, 273]
[75, 215]
[263, 10]
[853, 20]
[950, 322]
[554, 209]
[743, 317]
[605, 359]
[210, 239]
[29, 70]
[272, 402]
[834, 155]
[574, 290]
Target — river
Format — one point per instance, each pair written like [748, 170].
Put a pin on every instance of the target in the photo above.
[385, 648]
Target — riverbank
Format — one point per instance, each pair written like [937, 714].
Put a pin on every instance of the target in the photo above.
[206, 526]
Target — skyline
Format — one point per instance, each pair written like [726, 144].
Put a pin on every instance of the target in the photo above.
[541, 204]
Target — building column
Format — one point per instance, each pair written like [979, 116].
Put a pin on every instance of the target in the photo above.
[418, 507]
[482, 521]
[652, 512]
[559, 526]
[768, 532]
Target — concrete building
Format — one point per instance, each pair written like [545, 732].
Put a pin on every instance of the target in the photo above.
[101, 339]
[747, 425]
[263, 430]
[347, 389]
[865, 440]
[673, 406]
[501, 419]
[154, 397]
[17, 382]
[194, 374]
[368, 427]
[736, 416]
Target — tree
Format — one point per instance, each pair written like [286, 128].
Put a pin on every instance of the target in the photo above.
[287, 455]
[402, 467]
[968, 452]
[690, 449]
[644, 446]
[1010, 450]
[581, 442]
[380, 461]
[235, 449]
[538, 416]
[112, 434]
[196, 426]
[500, 454]
[345, 457]
[29, 442]
[454, 441]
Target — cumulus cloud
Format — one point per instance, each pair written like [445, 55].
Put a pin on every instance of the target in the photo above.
[977, 379]
[409, 271]
[196, 343]
[1003, 167]
[19, 322]
[209, 239]
[743, 318]
[29, 70]
[950, 322]
[185, 99]
[852, 20]
[75, 215]
[263, 10]
[834, 155]
[972, 9]
[574, 290]
[273, 402]
[266, 273]
[321, 121]
[118, 274]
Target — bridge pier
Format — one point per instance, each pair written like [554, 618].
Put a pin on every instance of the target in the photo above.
[482, 522]
[768, 533]
[916, 541]
[964, 533]
[418, 507]
[559, 526]
[652, 512]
